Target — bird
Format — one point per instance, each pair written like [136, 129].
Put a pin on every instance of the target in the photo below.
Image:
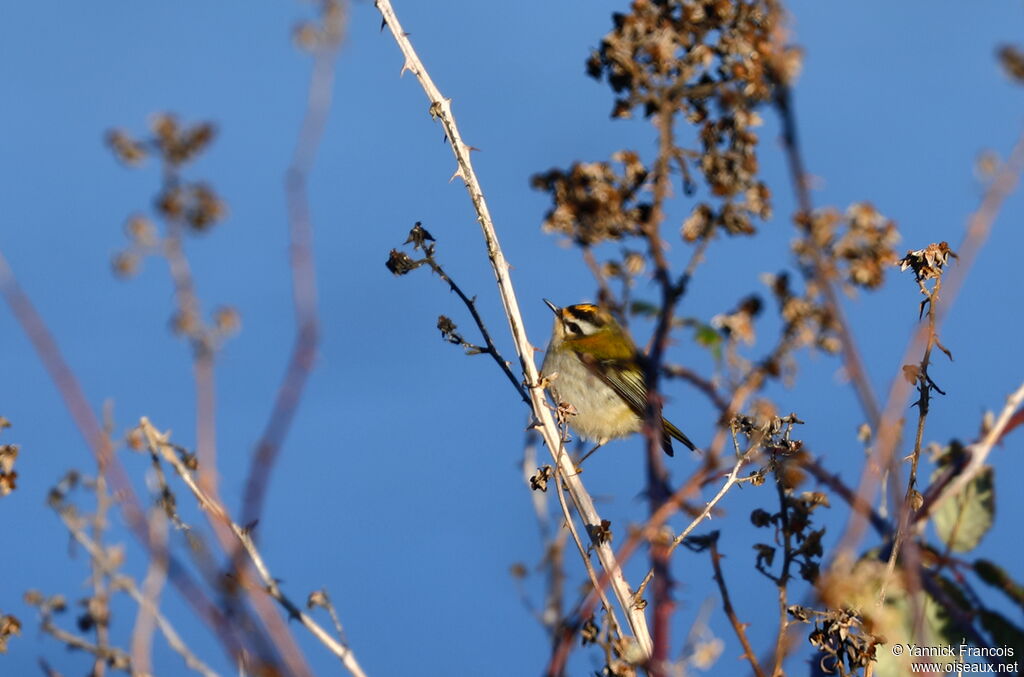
[592, 364]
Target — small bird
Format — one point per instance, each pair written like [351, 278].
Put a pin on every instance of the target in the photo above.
[594, 366]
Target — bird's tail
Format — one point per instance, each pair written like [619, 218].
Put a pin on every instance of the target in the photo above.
[672, 431]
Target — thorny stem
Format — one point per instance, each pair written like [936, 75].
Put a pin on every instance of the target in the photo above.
[650, 530]
[924, 387]
[855, 501]
[440, 108]
[558, 659]
[158, 443]
[738, 627]
[783, 580]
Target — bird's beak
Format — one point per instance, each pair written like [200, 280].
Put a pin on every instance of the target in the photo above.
[555, 309]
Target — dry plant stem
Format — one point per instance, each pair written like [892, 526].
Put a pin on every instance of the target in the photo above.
[440, 108]
[489, 347]
[730, 481]
[978, 454]
[700, 383]
[333, 613]
[571, 526]
[924, 388]
[99, 444]
[158, 444]
[649, 531]
[205, 388]
[101, 592]
[604, 291]
[304, 288]
[657, 477]
[202, 353]
[857, 503]
[111, 655]
[798, 174]
[74, 398]
[739, 628]
[146, 621]
[783, 581]
[978, 228]
[147, 604]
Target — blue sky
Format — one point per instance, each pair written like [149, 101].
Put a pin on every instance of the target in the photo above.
[398, 489]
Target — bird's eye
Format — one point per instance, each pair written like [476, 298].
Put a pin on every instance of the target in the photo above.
[574, 328]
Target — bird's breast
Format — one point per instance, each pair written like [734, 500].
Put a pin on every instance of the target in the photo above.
[600, 413]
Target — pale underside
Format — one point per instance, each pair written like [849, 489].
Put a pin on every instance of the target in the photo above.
[601, 414]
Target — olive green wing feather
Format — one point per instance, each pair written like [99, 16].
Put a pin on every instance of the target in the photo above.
[631, 386]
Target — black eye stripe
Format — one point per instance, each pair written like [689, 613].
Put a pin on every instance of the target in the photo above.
[574, 328]
[584, 315]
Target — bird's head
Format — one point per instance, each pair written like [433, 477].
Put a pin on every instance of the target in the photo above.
[588, 328]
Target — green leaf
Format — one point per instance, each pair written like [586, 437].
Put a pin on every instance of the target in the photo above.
[994, 575]
[1002, 631]
[964, 519]
[940, 621]
[708, 337]
[937, 619]
[644, 309]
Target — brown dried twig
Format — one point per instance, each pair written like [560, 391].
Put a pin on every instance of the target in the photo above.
[739, 628]
[158, 443]
[851, 356]
[103, 562]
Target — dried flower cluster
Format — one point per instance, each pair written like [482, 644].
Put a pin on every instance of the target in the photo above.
[927, 263]
[595, 202]
[195, 205]
[1012, 60]
[714, 62]
[9, 627]
[182, 207]
[841, 639]
[8, 454]
[807, 321]
[174, 144]
[323, 33]
[859, 244]
[738, 323]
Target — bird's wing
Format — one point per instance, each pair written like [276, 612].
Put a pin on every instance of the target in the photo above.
[631, 386]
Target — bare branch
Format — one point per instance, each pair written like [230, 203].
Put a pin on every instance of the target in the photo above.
[304, 290]
[739, 628]
[977, 455]
[158, 443]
